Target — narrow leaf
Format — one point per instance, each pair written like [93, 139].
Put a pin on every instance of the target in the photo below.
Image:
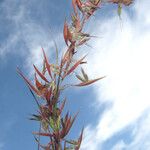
[62, 105]
[119, 10]
[89, 82]
[80, 78]
[47, 64]
[80, 140]
[84, 75]
[43, 134]
[28, 82]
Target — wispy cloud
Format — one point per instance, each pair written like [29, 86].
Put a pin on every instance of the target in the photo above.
[26, 33]
[141, 134]
[123, 55]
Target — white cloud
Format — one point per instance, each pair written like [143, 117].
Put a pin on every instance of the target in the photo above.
[120, 145]
[7, 46]
[14, 15]
[27, 36]
[141, 135]
[123, 55]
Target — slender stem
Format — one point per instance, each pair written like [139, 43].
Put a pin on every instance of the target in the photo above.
[35, 98]
[39, 137]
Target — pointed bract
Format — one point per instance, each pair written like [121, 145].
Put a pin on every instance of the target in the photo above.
[74, 67]
[40, 74]
[47, 64]
[66, 33]
[37, 83]
[29, 83]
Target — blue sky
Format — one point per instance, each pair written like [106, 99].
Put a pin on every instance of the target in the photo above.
[114, 111]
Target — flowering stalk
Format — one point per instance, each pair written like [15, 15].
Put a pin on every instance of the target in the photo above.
[50, 82]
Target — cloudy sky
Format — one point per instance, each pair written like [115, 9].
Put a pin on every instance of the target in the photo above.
[115, 111]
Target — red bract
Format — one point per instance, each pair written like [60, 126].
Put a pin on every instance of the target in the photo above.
[47, 64]
[76, 23]
[79, 141]
[74, 6]
[48, 94]
[67, 34]
[88, 7]
[67, 123]
[79, 4]
[40, 74]
[29, 83]
[37, 83]
[74, 67]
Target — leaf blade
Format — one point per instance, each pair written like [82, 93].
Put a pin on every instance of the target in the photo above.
[89, 82]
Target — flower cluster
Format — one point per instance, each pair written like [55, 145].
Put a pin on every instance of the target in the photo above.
[50, 82]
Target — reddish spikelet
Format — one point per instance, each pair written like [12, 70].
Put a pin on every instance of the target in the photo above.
[40, 74]
[62, 106]
[66, 33]
[74, 67]
[47, 64]
[65, 57]
[69, 36]
[68, 56]
[76, 22]
[48, 95]
[79, 4]
[37, 83]
[70, 123]
[42, 88]
[74, 6]
[80, 140]
[29, 83]
[67, 124]
[78, 25]
[83, 41]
